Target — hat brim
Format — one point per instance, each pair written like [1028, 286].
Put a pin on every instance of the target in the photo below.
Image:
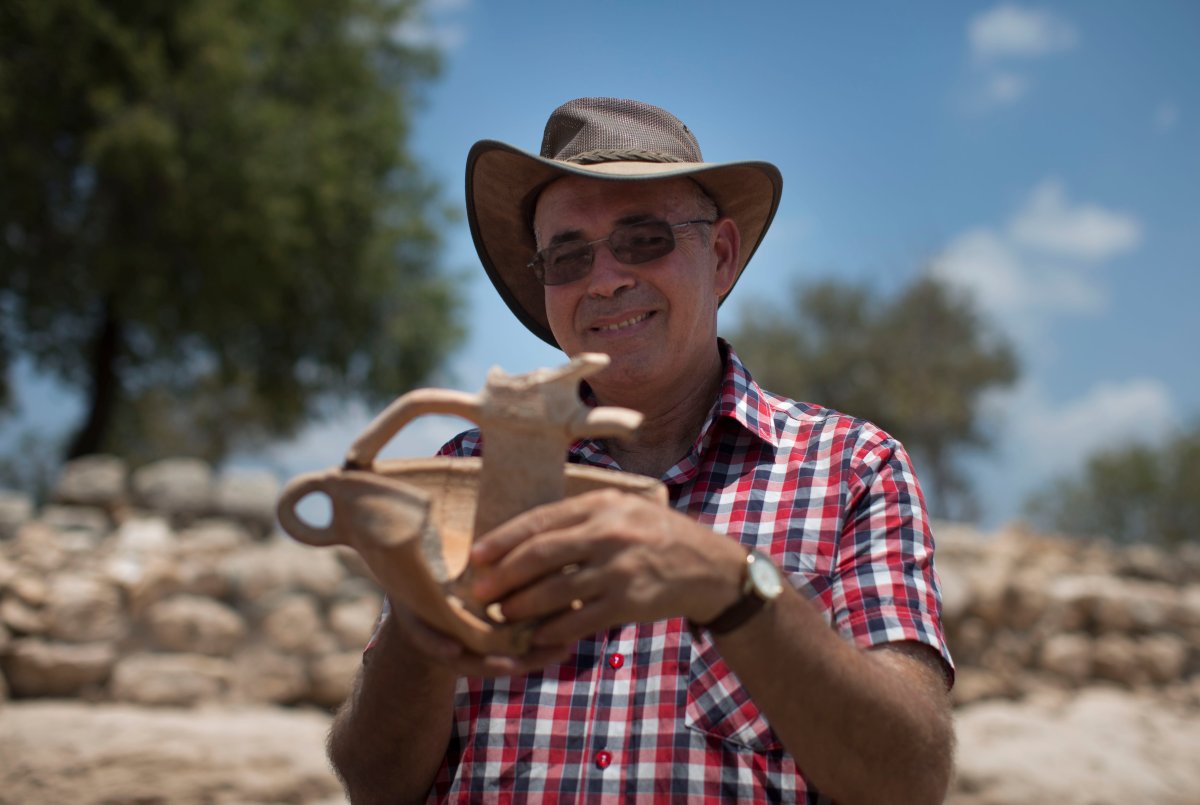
[503, 184]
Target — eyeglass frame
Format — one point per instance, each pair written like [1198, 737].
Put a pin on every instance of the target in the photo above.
[537, 264]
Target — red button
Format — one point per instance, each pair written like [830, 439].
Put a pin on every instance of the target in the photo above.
[603, 759]
[616, 660]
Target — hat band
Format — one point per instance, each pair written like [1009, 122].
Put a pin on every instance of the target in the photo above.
[600, 155]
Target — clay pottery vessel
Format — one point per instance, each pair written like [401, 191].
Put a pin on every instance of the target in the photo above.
[413, 521]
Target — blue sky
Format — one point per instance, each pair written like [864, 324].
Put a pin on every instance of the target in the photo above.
[1044, 157]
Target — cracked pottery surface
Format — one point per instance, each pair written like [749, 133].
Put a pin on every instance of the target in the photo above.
[413, 520]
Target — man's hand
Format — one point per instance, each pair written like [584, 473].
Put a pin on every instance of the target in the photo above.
[444, 651]
[604, 558]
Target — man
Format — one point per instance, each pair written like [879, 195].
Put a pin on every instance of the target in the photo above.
[681, 654]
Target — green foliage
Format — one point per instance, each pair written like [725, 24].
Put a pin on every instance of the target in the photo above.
[916, 364]
[209, 215]
[1135, 493]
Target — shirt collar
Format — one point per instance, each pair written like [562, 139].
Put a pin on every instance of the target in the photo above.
[739, 400]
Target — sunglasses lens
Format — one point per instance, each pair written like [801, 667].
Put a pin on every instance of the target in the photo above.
[641, 243]
[632, 244]
[566, 262]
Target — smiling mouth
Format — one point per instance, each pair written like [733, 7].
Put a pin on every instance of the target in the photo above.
[621, 325]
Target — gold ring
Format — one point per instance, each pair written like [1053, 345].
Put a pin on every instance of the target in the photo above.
[569, 568]
[576, 604]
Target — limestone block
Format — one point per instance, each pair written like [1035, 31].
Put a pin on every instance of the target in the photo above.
[177, 680]
[35, 667]
[8, 572]
[1134, 606]
[977, 684]
[37, 549]
[264, 675]
[1026, 601]
[80, 528]
[96, 480]
[353, 622]
[294, 625]
[16, 508]
[1115, 657]
[30, 589]
[1069, 656]
[84, 609]
[1071, 600]
[212, 536]
[280, 566]
[954, 577]
[144, 535]
[143, 578]
[1164, 657]
[1147, 562]
[22, 618]
[248, 496]
[1186, 612]
[1008, 652]
[195, 625]
[332, 677]
[176, 487]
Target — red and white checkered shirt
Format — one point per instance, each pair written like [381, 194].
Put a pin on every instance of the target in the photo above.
[648, 712]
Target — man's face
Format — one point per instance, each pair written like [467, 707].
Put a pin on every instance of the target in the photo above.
[657, 320]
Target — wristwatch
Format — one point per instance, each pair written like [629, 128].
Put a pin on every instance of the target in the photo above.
[762, 583]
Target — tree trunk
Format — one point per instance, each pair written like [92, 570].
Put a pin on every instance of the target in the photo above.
[105, 387]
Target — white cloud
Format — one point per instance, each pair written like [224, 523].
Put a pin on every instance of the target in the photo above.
[1054, 438]
[980, 262]
[1166, 115]
[435, 25]
[1010, 31]
[1048, 223]
[1041, 264]
[1004, 88]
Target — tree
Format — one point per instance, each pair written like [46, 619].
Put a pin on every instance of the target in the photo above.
[1135, 493]
[916, 364]
[209, 219]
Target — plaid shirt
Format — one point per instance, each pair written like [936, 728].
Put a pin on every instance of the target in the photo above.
[648, 712]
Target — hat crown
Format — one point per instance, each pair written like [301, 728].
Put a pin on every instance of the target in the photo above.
[591, 130]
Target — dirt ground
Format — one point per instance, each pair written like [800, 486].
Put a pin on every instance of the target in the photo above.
[1100, 746]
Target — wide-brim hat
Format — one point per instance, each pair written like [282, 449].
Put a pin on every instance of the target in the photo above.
[601, 138]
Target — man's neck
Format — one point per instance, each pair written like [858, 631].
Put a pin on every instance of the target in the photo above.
[673, 418]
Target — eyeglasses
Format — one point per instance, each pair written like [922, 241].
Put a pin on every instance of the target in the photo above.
[571, 260]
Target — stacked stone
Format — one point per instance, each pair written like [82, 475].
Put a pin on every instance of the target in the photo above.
[1025, 611]
[170, 585]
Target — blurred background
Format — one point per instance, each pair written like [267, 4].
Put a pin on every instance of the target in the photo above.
[238, 234]
[232, 231]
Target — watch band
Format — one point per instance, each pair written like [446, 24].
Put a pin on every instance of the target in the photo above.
[752, 600]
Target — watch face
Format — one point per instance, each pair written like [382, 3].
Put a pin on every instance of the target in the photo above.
[766, 578]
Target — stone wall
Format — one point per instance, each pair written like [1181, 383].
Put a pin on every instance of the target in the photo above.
[1025, 612]
[170, 585]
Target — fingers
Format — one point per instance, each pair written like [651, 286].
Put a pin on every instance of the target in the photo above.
[449, 653]
[494, 545]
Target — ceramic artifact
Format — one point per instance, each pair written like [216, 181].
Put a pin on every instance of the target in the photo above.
[413, 520]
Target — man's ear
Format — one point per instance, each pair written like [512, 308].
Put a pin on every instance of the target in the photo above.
[727, 245]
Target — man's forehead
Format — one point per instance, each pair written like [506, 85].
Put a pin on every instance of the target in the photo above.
[616, 202]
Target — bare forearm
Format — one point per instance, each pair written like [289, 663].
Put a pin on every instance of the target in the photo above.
[864, 726]
[390, 736]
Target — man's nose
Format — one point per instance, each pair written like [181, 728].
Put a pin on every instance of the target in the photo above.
[609, 275]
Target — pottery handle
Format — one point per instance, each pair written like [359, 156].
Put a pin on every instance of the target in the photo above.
[295, 491]
[404, 410]
[606, 421]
